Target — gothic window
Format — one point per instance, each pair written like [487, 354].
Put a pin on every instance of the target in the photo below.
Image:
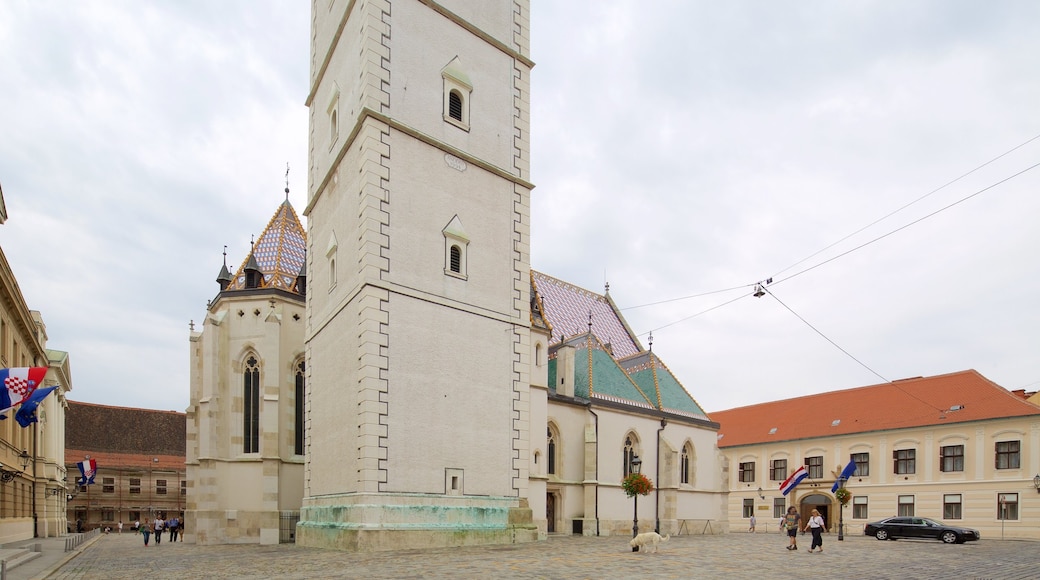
[628, 454]
[300, 400]
[251, 406]
[550, 453]
[684, 464]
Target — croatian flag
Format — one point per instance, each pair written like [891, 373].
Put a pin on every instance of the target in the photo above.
[796, 478]
[87, 468]
[19, 383]
[26, 414]
[845, 474]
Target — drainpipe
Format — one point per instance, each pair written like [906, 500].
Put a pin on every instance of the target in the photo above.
[657, 490]
[596, 423]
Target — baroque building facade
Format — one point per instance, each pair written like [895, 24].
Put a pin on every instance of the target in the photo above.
[956, 447]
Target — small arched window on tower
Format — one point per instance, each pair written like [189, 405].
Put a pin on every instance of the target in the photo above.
[455, 244]
[457, 91]
[330, 257]
[333, 112]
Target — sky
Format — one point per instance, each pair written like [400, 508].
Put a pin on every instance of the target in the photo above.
[874, 159]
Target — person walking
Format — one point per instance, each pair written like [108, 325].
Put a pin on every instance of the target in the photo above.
[815, 526]
[159, 526]
[120, 526]
[174, 526]
[751, 525]
[145, 531]
[791, 525]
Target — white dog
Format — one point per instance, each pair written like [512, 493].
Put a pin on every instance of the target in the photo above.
[648, 540]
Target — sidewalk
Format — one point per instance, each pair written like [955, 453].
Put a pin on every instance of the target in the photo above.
[52, 556]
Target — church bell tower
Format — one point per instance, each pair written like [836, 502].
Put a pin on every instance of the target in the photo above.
[418, 321]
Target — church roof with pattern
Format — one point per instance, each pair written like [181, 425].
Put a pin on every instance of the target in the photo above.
[280, 252]
[610, 365]
[916, 402]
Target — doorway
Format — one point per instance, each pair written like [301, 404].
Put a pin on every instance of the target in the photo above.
[550, 512]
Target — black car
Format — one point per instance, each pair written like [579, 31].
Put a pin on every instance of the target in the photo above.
[914, 527]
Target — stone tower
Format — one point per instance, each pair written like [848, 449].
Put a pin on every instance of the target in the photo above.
[418, 312]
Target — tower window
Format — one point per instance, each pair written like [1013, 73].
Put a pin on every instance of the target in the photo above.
[457, 91]
[455, 105]
[456, 259]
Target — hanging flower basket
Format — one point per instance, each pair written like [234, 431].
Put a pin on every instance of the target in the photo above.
[637, 484]
[843, 495]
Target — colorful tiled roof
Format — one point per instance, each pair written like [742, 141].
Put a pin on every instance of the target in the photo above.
[280, 252]
[567, 309]
[622, 372]
[917, 402]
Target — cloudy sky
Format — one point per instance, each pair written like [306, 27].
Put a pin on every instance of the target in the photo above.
[873, 158]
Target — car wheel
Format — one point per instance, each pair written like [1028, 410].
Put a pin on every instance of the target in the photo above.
[948, 537]
[881, 534]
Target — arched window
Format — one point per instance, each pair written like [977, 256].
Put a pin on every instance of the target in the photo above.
[300, 401]
[684, 464]
[629, 453]
[456, 259]
[455, 105]
[251, 406]
[550, 447]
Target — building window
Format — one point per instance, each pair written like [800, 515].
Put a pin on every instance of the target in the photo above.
[301, 394]
[906, 506]
[333, 112]
[108, 515]
[160, 487]
[135, 516]
[951, 458]
[815, 466]
[135, 485]
[779, 507]
[457, 91]
[550, 446]
[905, 462]
[455, 105]
[747, 472]
[1007, 506]
[862, 464]
[108, 484]
[628, 454]
[456, 241]
[749, 507]
[184, 488]
[684, 464]
[951, 506]
[859, 507]
[778, 470]
[251, 406]
[1008, 454]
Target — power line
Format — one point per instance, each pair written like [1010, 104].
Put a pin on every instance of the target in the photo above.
[916, 221]
[892, 213]
[687, 297]
[825, 337]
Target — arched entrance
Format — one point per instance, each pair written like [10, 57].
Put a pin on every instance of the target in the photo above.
[819, 502]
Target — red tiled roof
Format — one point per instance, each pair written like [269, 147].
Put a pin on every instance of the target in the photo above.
[917, 402]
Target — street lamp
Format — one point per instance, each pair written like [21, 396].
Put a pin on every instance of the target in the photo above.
[841, 511]
[1036, 482]
[636, 463]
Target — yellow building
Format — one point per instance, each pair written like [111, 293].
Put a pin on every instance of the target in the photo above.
[32, 471]
[956, 447]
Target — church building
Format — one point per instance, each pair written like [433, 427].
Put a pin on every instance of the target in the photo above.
[388, 375]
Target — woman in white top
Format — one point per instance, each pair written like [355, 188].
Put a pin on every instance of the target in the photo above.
[815, 525]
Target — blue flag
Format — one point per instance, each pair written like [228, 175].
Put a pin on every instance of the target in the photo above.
[845, 474]
[26, 414]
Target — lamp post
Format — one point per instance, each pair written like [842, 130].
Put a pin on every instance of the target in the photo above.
[841, 511]
[636, 463]
[1036, 482]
